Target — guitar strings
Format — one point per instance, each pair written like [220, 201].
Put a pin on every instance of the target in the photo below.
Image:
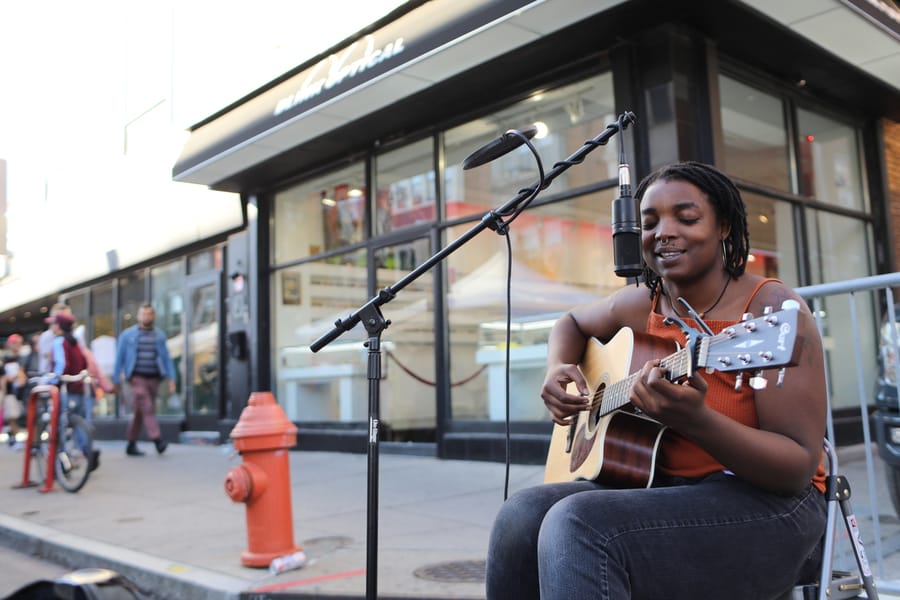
[619, 390]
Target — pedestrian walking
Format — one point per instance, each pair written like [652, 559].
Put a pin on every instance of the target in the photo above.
[143, 360]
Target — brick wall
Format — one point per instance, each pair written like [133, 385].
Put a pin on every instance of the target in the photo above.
[892, 163]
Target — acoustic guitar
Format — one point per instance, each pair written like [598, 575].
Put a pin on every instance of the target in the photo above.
[615, 444]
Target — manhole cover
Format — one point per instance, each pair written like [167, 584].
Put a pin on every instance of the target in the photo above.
[461, 571]
[321, 546]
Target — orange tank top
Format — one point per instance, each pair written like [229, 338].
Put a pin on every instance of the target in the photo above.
[678, 455]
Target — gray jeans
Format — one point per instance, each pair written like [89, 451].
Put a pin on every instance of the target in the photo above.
[716, 538]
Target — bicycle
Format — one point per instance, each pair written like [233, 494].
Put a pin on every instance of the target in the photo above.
[75, 457]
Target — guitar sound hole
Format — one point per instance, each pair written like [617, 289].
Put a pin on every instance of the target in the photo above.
[597, 403]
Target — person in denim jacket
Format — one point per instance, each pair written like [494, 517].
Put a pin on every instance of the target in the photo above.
[143, 359]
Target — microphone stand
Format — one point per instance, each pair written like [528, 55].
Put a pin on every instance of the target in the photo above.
[374, 322]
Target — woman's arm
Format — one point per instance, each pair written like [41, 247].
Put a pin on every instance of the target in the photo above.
[628, 306]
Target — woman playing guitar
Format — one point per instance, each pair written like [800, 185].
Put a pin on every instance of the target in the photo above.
[735, 508]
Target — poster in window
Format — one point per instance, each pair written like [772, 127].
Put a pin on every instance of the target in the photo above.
[290, 288]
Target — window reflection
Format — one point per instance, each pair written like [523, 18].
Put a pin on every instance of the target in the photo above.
[168, 303]
[103, 342]
[829, 164]
[406, 187]
[754, 135]
[325, 213]
[202, 349]
[772, 246]
[131, 296]
[562, 256]
[330, 385]
[409, 356]
[569, 115]
[840, 246]
[841, 249]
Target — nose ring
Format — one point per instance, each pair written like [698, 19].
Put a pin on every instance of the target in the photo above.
[663, 240]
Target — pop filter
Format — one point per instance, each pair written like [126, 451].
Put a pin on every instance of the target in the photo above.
[494, 149]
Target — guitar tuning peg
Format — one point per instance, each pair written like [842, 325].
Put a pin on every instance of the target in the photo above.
[767, 310]
[738, 381]
[710, 370]
[790, 304]
[758, 382]
[780, 381]
[747, 317]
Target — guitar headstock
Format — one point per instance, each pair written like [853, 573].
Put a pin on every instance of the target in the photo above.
[754, 345]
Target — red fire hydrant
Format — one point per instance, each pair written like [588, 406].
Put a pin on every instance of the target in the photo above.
[263, 436]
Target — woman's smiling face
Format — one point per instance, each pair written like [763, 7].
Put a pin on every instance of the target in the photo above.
[680, 231]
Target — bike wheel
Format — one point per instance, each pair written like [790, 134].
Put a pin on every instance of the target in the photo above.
[74, 453]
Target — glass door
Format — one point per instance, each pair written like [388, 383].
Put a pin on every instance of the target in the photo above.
[203, 364]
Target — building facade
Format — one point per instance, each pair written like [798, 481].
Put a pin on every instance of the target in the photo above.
[361, 224]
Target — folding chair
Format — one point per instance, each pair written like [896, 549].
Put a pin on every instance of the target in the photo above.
[838, 585]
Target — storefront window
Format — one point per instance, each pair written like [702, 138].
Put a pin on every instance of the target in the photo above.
[839, 248]
[829, 165]
[330, 385]
[562, 256]
[199, 370]
[828, 171]
[406, 187]
[326, 213]
[207, 260]
[103, 342]
[773, 251]
[565, 117]
[755, 141]
[132, 293]
[408, 348]
[167, 283]
[79, 305]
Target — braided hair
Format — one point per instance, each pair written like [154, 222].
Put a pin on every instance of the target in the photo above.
[727, 202]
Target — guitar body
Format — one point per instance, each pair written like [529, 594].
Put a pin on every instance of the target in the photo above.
[616, 448]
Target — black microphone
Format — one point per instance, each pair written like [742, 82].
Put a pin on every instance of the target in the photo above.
[507, 142]
[626, 229]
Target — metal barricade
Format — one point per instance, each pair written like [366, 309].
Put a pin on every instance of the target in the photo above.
[876, 517]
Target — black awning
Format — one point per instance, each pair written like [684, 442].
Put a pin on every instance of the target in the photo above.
[413, 35]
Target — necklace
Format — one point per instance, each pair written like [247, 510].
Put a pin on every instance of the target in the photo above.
[701, 314]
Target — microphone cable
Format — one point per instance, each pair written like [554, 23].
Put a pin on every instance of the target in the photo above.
[503, 229]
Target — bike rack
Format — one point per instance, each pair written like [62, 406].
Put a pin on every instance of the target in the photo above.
[53, 391]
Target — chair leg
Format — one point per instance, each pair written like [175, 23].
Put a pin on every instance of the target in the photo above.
[859, 552]
[838, 585]
[842, 585]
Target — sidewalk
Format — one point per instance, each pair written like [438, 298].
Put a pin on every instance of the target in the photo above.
[166, 523]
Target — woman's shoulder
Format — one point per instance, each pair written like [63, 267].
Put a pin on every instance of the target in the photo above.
[630, 306]
[766, 292]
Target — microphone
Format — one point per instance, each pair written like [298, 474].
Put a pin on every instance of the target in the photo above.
[507, 142]
[626, 229]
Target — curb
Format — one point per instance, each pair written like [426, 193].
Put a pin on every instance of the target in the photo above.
[156, 577]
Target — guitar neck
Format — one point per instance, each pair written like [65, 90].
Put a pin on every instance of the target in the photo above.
[616, 395]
